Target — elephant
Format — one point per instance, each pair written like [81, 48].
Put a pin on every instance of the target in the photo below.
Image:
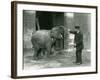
[44, 40]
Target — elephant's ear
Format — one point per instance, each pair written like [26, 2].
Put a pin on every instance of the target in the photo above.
[61, 29]
[56, 32]
[60, 32]
[52, 34]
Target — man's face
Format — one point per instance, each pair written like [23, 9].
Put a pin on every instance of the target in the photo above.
[76, 29]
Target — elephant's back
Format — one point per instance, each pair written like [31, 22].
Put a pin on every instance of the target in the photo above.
[41, 34]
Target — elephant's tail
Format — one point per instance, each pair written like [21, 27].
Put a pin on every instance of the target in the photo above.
[32, 42]
[33, 32]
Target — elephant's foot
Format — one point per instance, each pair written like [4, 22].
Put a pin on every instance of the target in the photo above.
[35, 58]
[52, 53]
[48, 55]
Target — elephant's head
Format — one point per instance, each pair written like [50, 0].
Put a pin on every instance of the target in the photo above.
[57, 32]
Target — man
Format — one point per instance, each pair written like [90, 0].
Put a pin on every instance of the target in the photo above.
[78, 41]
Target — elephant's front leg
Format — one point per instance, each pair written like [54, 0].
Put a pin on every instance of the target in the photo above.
[53, 46]
[49, 51]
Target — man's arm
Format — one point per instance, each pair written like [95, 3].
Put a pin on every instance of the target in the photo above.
[73, 32]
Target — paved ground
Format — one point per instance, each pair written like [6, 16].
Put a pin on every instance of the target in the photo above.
[62, 58]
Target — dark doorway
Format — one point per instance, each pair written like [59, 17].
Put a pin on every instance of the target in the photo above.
[47, 20]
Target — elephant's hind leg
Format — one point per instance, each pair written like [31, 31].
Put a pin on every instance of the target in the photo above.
[38, 55]
[35, 54]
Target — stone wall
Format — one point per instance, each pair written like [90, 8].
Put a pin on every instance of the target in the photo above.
[78, 19]
[28, 27]
[84, 21]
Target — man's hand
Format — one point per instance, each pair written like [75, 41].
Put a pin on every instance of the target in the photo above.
[74, 45]
[68, 30]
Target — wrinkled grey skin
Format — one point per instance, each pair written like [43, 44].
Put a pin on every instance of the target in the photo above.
[44, 40]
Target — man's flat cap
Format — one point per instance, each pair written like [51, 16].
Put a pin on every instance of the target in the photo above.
[77, 27]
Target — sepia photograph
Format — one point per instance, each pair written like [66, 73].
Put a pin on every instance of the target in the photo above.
[53, 39]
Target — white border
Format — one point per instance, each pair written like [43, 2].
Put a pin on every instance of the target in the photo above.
[21, 7]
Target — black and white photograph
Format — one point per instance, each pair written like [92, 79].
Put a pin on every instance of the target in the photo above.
[55, 39]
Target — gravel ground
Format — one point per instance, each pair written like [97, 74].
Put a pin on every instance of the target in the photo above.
[59, 59]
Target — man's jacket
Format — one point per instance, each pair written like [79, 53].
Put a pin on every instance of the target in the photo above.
[78, 39]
